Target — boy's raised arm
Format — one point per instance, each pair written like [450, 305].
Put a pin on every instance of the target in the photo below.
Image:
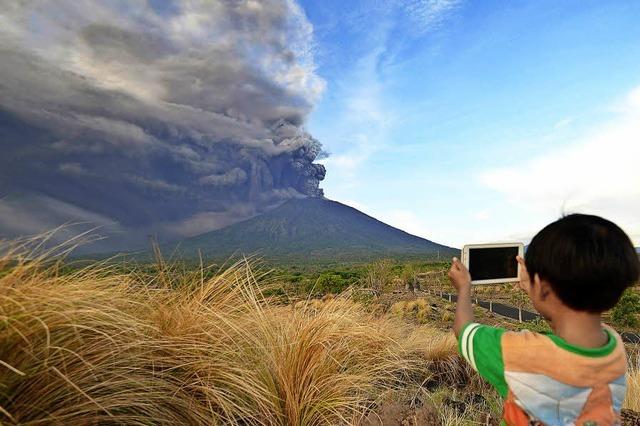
[461, 280]
[479, 345]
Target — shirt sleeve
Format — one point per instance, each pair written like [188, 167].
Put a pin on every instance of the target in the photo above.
[480, 345]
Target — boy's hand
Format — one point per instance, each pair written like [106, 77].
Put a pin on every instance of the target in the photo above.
[459, 275]
[461, 280]
[525, 280]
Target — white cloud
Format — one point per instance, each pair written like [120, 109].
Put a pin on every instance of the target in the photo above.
[599, 174]
[362, 147]
[368, 118]
[430, 14]
[632, 101]
[406, 220]
[367, 121]
[563, 123]
[481, 215]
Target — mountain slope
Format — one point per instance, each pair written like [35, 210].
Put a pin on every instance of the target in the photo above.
[313, 229]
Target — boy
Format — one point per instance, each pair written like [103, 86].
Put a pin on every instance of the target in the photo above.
[574, 269]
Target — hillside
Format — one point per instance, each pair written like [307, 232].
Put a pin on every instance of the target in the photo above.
[313, 229]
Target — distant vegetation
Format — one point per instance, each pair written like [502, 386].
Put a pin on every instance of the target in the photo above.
[625, 313]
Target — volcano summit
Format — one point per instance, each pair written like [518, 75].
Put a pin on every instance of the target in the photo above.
[313, 229]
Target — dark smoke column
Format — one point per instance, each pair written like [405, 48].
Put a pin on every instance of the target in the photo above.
[300, 172]
[161, 124]
[287, 170]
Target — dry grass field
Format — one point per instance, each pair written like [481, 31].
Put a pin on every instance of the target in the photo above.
[96, 345]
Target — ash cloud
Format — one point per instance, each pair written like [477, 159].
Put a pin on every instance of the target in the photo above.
[155, 117]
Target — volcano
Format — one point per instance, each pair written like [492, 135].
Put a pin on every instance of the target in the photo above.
[311, 230]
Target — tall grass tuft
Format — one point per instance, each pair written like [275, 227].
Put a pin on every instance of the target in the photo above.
[96, 345]
[632, 399]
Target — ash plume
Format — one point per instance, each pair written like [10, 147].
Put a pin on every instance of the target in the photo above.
[153, 117]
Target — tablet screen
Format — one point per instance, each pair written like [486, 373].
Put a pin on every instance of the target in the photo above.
[493, 263]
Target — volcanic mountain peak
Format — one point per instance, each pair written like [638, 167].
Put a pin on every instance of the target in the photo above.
[313, 229]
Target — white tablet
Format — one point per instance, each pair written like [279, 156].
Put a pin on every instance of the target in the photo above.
[493, 263]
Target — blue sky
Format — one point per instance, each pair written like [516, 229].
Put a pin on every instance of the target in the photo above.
[479, 121]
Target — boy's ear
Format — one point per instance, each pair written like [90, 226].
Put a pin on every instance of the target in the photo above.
[544, 288]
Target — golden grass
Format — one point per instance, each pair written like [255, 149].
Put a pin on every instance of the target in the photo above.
[431, 344]
[632, 399]
[97, 346]
[420, 310]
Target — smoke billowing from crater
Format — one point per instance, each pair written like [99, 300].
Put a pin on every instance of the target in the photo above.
[154, 117]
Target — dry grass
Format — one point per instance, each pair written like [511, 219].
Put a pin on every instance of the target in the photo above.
[421, 311]
[97, 346]
[432, 344]
[632, 399]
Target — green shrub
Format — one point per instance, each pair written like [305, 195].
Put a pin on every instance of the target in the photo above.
[624, 313]
[331, 283]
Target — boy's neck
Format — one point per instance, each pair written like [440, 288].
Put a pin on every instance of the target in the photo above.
[582, 329]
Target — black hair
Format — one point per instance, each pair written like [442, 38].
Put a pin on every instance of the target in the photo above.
[588, 261]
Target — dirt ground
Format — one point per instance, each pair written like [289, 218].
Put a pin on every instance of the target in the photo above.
[396, 414]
